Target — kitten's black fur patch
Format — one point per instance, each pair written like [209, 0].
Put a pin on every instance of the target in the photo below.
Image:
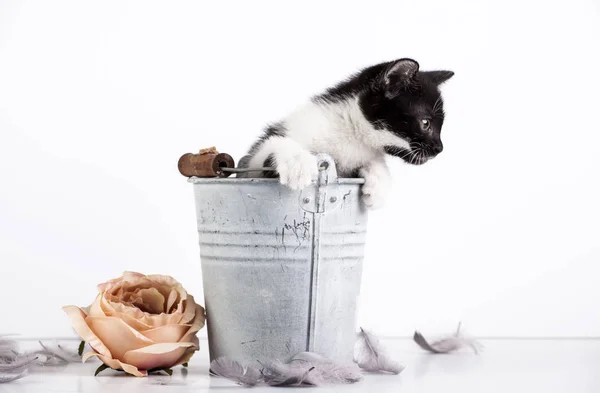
[398, 97]
[276, 129]
[270, 163]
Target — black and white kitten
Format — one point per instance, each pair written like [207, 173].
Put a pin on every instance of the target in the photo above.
[389, 108]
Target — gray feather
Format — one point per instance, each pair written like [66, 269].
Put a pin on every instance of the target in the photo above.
[370, 355]
[303, 369]
[8, 349]
[17, 364]
[14, 364]
[447, 344]
[7, 377]
[325, 371]
[56, 355]
[233, 370]
[276, 373]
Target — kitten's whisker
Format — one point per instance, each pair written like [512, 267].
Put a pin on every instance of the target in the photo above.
[422, 156]
[406, 154]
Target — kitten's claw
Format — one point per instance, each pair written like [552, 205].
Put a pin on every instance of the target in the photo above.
[297, 171]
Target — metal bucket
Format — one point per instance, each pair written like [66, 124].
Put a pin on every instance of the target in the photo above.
[281, 268]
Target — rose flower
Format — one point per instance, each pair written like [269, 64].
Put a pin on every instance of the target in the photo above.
[139, 323]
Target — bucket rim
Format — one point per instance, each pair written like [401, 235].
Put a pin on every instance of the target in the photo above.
[234, 180]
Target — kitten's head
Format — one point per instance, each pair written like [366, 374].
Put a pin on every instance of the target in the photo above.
[406, 108]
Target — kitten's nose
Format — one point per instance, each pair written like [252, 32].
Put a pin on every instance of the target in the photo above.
[437, 148]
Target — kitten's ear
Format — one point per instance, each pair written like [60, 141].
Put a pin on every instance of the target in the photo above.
[399, 75]
[439, 77]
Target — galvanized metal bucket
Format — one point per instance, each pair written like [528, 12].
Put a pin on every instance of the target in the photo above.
[281, 268]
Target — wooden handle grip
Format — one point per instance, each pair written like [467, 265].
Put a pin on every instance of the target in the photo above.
[205, 165]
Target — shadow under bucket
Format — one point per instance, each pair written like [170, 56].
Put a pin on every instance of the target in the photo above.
[281, 268]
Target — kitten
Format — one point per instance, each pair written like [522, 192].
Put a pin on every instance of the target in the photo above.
[389, 108]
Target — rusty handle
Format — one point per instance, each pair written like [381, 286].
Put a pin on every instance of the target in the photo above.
[205, 165]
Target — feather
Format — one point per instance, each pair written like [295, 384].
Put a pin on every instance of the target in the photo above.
[447, 344]
[58, 355]
[309, 369]
[4, 378]
[276, 373]
[326, 371]
[233, 370]
[18, 364]
[14, 364]
[8, 349]
[370, 355]
[303, 369]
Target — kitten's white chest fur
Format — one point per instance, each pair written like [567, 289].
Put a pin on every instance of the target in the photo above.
[338, 129]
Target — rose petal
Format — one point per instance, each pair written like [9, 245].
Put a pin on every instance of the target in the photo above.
[181, 301]
[80, 326]
[167, 333]
[127, 291]
[165, 290]
[118, 336]
[194, 339]
[139, 303]
[134, 323]
[127, 276]
[132, 285]
[190, 310]
[110, 311]
[151, 320]
[165, 280]
[186, 356]
[133, 370]
[130, 274]
[169, 283]
[88, 355]
[197, 324]
[153, 298]
[95, 309]
[118, 365]
[126, 308]
[157, 355]
[171, 300]
[128, 286]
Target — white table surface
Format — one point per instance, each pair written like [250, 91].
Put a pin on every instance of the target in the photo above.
[507, 366]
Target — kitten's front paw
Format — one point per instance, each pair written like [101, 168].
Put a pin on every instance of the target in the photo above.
[297, 171]
[375, 190]
[373, 197]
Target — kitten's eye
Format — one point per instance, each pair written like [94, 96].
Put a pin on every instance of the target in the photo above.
[425, 124]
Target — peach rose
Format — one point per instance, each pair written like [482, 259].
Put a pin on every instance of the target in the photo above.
[139, 323]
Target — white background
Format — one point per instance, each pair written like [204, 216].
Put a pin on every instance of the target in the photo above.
[98, 100]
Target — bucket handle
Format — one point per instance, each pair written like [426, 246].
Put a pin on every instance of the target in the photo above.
[314, 198]
[324, 162]
[327, 170]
